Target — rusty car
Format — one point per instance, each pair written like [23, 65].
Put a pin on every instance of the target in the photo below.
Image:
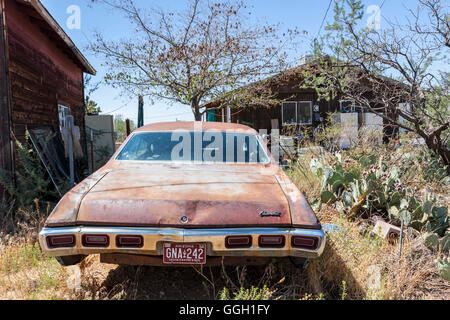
[185, 193]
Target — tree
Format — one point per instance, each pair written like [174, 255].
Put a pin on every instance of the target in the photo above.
[90, 105]
[121, 128]
[194, 56]
[399, 72]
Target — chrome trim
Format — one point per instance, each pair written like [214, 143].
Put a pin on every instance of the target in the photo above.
[213, 238]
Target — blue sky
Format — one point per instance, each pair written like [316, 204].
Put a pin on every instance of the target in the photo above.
[303, 14]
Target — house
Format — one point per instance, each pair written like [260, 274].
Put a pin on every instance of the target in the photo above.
[300, 108]
[41, 75]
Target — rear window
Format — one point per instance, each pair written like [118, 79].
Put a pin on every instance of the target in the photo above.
[202, 146]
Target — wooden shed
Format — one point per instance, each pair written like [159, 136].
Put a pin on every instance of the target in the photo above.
[297, 108]
[41, 74]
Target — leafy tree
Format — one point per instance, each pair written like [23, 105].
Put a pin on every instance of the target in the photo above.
[195, 55]
[91, 106]
[89, 88]
[361, 63]
[121, 128]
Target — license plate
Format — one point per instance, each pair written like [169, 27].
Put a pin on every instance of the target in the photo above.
[184, 253]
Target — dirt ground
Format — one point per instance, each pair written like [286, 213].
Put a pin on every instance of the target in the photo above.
[106, 281]
[353, 266]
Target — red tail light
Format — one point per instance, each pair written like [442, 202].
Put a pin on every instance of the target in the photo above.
[271, 241]
[310, 243]
[238, 242]
[95, 240]
[129, 241]
[63, 241]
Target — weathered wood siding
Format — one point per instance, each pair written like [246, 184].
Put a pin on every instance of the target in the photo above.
[5, 140]
[41, 75]
[287, 89]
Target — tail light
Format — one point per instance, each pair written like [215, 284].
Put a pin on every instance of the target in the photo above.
[238, 242]
[129, 241]
[63, 241]
[95, 240]
[309, 243]
[271, 241]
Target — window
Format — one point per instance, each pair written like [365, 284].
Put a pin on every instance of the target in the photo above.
[289, 112]
[216, 147]
[304, 112]
[63, 112]
[297, 112]
[349, 106]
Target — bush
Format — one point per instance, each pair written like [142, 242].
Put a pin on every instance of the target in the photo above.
[247, 294]
[31, 187]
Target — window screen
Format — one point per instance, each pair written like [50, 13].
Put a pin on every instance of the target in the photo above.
[63, 112]
[289, 112]
[304, 112]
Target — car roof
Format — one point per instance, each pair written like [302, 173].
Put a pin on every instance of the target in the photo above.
[196, 126]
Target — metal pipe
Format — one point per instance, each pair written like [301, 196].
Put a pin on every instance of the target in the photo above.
[71, 162]
[128, 127]
[92, 152]
[401, 241]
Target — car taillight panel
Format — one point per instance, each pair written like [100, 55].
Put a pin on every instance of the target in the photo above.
[129, 241]
[238, 242]
[95, 240]
[61, 241]
[303, 242]
[271, 241]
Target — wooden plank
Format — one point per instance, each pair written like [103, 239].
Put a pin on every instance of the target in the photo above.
[6, 154]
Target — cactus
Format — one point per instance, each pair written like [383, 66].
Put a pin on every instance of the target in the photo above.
[444, 243]
[368, 185]
[416, 225]
[327, 197]
[431, 241]
[444, 269]
[405, 217]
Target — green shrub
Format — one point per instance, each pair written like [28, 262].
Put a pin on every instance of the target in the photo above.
[247, 294]
[31, 180]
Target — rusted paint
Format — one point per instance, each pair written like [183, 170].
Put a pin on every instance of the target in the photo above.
[301, 212]
[209, 195]
[66, 210]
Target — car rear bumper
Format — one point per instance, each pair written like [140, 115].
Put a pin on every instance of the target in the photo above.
[153, 239]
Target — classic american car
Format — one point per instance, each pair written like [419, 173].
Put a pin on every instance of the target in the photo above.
[185, 193]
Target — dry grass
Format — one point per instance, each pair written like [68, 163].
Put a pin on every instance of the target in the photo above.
[370, 266]
[353, 266]
[26, 274]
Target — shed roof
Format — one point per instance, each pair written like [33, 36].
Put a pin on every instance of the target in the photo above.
[48, 25]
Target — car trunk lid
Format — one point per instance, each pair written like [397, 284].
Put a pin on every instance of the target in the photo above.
[158, 196]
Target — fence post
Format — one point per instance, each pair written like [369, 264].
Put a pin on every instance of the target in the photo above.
[71, 164]
[128, 127]
[92, 152]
